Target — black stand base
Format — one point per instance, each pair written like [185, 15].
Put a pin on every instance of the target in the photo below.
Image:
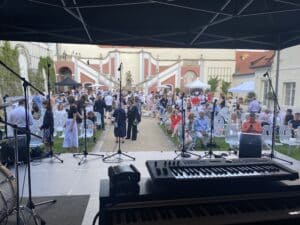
[85, 155]
[51, 154]
[30, 209]
[55, 156]
[118, 159]
[211, 155]
[185, 154]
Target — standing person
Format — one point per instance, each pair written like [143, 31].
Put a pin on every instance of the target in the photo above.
[48, 126]
[254, 106]
[17, 116]
[99, 107]
[71, 129]
[108, 102]
[132, 116]
[288, 116]
[120, 124]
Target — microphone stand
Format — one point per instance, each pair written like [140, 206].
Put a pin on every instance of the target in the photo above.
[51, 153]
[30, 206]
[275, 108]
[183, 152]
[212, 144]
[5, 116]
[119, 153]
[85, 153]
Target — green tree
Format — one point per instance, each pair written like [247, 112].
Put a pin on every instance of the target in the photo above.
[214, 83]
[43, 65]
[9, 83]
[36, 79]
[225, 86]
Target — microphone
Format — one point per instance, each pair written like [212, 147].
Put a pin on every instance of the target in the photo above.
[121, 64]
[266, 74]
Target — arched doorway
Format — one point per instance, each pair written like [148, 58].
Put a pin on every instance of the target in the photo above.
[189, 77]
[88, 88]
[64, 72]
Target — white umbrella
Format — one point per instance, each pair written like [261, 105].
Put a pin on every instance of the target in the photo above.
[163, 86]
[246, 86]
[96, 85]
[197, 84]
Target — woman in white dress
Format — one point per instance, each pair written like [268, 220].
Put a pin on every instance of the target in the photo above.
[71, 129]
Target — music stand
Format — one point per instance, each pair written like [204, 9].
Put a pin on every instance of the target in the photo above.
[119, 153]
[183, 152]
[30, 206]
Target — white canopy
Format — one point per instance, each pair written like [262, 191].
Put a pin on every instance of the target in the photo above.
[163, 86]
[96, 85]
[246, 86]
[197, 84]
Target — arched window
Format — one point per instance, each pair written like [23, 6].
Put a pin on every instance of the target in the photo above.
[65, 72]
[189, 76]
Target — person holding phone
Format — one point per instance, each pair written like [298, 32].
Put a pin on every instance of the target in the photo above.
[251, 125]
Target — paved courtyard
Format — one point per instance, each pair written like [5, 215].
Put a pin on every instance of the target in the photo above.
[150, 138]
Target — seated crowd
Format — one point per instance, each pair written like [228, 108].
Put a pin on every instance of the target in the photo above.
[227, 113]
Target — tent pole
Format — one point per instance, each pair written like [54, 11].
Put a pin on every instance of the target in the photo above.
[276, 106]
[277, 70]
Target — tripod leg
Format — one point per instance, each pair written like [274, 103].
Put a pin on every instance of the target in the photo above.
[128, 156]
[95, 154]
[59, 159]
[111, 156]
[82, 160]
[194, 154]
[45, 202]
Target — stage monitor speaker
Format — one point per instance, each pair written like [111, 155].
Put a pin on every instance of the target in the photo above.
[250, 145]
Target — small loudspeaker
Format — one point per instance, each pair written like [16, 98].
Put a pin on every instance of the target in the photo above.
[250, 145]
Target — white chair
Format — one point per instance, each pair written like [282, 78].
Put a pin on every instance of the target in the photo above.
[89, 129]
[294, 141]
[219, 126]
[267, 132]
[285, 134]
[35, 129]
[98, 121]
[60, 118]
[232, 133]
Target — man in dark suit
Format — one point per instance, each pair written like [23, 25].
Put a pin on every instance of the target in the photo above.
[132, 119]
[99, 106]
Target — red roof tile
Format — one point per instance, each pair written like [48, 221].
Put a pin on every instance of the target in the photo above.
[247, 61]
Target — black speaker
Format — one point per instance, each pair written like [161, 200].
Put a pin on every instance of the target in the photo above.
[250, 145]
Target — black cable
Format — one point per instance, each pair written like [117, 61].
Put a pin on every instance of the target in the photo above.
[96, 217]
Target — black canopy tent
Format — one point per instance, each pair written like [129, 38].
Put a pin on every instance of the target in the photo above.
[68, 82]
[235, 24]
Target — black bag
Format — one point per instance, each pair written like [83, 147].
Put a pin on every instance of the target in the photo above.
[78, 119]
